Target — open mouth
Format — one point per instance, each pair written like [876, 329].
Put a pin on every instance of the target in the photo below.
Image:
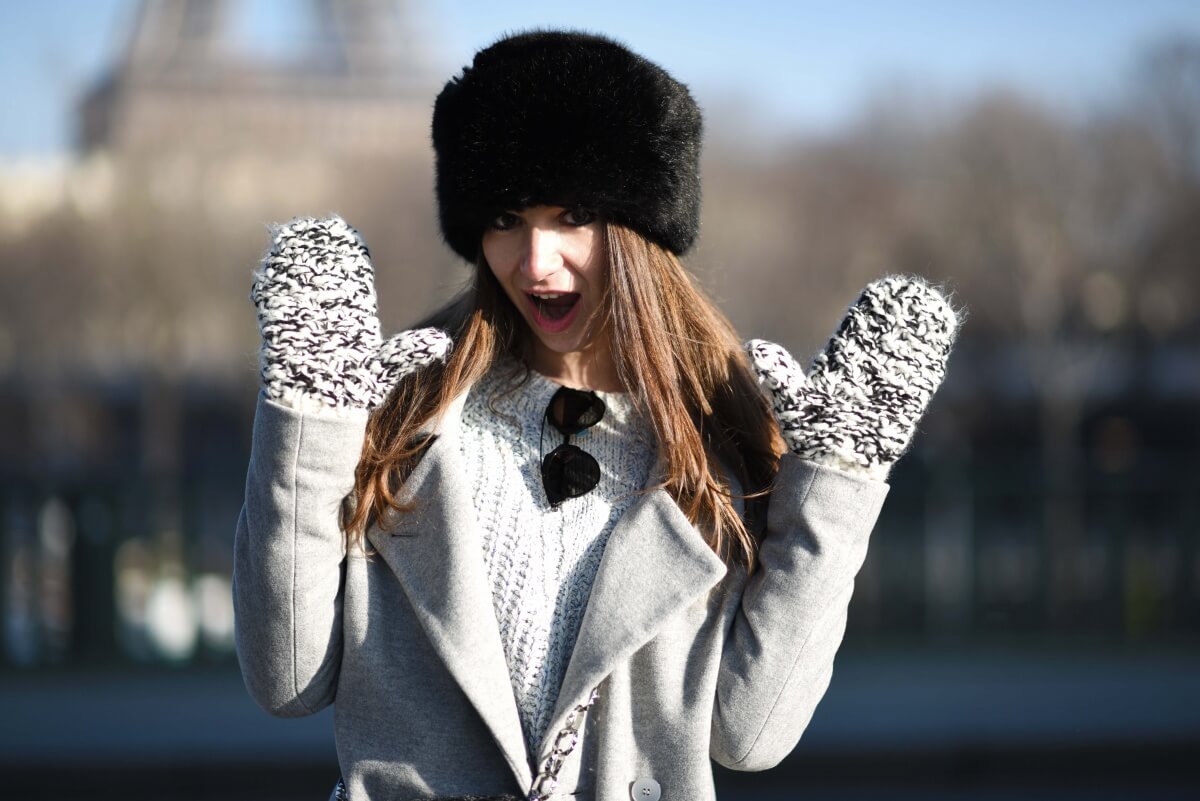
[554, 311]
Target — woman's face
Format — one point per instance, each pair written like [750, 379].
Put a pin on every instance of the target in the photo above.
[550, 261]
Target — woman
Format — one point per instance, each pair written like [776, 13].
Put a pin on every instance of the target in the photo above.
[561, 540]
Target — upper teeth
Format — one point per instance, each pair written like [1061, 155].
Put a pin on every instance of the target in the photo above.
[550, 296]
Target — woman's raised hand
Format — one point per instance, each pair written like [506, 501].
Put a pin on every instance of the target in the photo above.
[321, 345]
[858, 407]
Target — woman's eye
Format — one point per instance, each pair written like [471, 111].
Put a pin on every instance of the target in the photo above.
[579, 216]
[505, 222]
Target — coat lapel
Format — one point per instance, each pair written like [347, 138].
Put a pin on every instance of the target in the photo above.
[655, 564]
[435, 553]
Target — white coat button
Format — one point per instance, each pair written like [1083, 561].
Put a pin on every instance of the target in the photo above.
[645, 790]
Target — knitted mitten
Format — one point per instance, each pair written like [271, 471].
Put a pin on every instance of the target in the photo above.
[321, 347]
[858, 407]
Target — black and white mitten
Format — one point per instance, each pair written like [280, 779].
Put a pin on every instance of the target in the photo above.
[314, 294]
[858, 406]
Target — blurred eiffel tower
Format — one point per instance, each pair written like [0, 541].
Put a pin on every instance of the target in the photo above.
[353, 82]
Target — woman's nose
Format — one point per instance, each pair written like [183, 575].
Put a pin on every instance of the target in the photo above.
[542, 254]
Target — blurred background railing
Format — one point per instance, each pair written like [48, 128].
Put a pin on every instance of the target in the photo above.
[1031, 603]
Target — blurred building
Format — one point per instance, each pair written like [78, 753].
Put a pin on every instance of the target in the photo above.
[127, 343]
[355, 82]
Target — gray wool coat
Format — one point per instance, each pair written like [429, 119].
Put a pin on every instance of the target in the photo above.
[694, 661]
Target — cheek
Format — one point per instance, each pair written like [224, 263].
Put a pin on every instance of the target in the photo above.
[502, 271]
[596, 273]
[489, 257]
[587, 252]
[499, 260]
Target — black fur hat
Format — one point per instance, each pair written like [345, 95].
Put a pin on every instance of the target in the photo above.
[565, 118]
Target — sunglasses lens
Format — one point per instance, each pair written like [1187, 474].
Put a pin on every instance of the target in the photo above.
[572, 410]
[568, 472]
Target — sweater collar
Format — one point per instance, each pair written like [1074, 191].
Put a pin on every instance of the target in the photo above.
[523, 394]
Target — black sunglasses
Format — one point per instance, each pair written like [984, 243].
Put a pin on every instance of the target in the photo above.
[568, 471]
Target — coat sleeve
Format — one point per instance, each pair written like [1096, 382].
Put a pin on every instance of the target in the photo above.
[778, 656]
[288, 555]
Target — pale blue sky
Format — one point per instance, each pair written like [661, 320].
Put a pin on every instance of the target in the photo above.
[805, 64]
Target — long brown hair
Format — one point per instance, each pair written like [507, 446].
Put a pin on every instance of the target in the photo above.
[690, 378]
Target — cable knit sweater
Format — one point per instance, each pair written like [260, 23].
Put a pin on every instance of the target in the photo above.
[541, 561]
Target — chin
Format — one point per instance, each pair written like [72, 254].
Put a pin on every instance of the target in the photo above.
[562, 346]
